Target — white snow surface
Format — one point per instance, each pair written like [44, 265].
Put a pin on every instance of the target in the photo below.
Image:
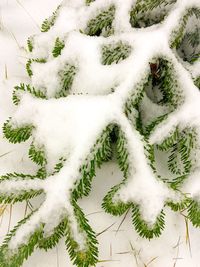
[59, 123]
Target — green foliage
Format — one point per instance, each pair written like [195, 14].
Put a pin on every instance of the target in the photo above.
[58, 47]
[89, 1]
[16, 257]
[180, 155]
[89, 255]
[13, 198]
[30, 44]
[143, 229]
[51, 241]
[48, 23]
[143, 15]
[189, 49]
[122, 155]
[29, 63]
[197, 82]
[113, 205]
[100, 153]
[149, 128]
[163, 79]
[180, 146]
[114, 53]
[59, 165]
[26, 88]
[169, 141]
[17, 134]
[102, 23]
[160, 85]
[37, 155]
[194, 212]
[116, 208]
[18, 196]
[66, 79]
[179, 33]
[179, 206]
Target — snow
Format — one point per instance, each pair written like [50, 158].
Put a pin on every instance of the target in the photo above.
[59, 122]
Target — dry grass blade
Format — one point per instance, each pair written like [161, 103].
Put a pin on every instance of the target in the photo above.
[93, 213]
[2, 209]
[57, 257]
[152, 260]
[5, 154]
[135, 253]
[123, 253]
[100, 261]
[105, 230]
[28, 14]
[26, 207]
[6, 72]
[10, 217]
[13, 36]
[177, 254]
[122, 221]
[188, 236]
[111, 253]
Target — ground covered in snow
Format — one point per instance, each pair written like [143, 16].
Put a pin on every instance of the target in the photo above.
[119, 244]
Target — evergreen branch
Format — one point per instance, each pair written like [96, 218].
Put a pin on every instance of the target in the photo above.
[15, 258]
[101, 152]
[87, 256]
[122, 155]
[58, 47]
[37, 155]
[48, 23]
[66, 79]
[24, 195]
[197, 82]
[89, 2]
[179, 206]
[114, 53]
[169, 141]
[30, 44]
[51, 241]
[59, 165]
[194, 213]
[116, 208]
[26, 88]
[102, 24]
[19, 194]
[149, 128]
[140, 15]
[17, 134]
[145, 230]
[29, 63]
[178, 34]
[180, 153]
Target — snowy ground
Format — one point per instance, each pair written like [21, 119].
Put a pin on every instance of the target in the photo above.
[118, 243]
